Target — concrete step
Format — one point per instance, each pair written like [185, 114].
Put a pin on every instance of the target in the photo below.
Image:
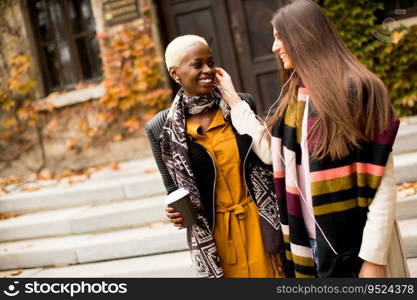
[111, 216]
[175, 264]
[85, 248]
[407, 207]
[131, 185]
[408, 229]
[405, 166]
[19, 273]
[83, 219]
[406, 140]
[86, 193]
[412, 266]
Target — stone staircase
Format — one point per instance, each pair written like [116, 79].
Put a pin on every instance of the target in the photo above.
[405, 164]
[113, 225]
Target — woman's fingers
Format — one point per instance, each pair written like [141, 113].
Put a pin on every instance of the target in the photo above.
[221, 81]
[171, 213]
[177, 222]
[219, 71]
[218, 78]
[221, 74]
[224, 83]
[169, 209]
[174, 216]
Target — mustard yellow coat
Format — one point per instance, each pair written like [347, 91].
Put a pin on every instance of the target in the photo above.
[237, 230]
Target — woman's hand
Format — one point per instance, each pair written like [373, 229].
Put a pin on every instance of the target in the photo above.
[371, 270]
[174, 216]
[225, 85]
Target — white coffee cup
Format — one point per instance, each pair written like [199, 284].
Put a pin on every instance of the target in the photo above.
[180, 200]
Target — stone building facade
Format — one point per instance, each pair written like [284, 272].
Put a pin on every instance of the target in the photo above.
[60, 38]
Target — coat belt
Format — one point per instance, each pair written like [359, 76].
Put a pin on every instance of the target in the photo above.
[237, 210]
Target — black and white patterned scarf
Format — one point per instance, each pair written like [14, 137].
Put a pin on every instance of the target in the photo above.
[174, 150]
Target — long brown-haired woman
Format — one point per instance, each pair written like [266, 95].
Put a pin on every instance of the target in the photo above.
[330, 142]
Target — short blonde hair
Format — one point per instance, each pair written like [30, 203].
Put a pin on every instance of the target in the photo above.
[178, 47]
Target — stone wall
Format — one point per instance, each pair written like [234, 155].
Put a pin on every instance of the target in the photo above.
[59, 156]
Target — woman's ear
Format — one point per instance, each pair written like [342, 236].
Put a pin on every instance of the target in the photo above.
[174, 75]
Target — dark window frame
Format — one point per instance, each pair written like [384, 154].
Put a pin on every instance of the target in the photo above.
[71, 39]
[398, 14]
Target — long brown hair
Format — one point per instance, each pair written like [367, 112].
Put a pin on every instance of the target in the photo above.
[351, 102]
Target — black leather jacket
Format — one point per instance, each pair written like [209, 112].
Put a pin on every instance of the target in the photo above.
[202, 163]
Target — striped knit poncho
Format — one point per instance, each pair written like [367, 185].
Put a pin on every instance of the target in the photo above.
[341, 192]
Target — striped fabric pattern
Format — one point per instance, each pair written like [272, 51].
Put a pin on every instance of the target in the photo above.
[341, 193]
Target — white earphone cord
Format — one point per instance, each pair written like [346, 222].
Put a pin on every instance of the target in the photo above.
[310, 209]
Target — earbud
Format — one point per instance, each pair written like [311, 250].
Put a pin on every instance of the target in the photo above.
[294, 182]
[177, 79]
[276, 101]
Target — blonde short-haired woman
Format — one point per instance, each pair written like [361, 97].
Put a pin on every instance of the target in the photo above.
[238, 232]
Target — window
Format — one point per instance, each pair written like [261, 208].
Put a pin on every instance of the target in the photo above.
[400, 8]
[65, 35]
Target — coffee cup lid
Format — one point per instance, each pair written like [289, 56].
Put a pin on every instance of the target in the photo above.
[174, 196]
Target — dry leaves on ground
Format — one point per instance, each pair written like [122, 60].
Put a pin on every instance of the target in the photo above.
[30, 188]
[4, 191]
[12, 273]
[150, 171]
[27, 183]
[4, 216]
[407, 189]
[114, 166]
[157, 225]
